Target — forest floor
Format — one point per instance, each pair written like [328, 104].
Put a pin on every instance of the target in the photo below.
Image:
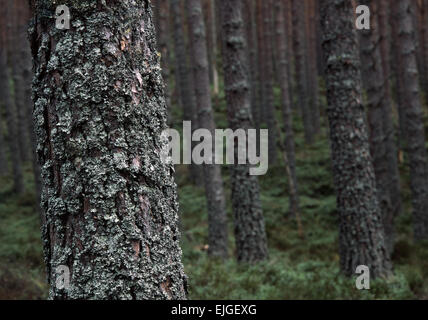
[298, 268]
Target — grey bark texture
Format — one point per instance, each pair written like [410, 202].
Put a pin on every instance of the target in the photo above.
[216, 204]
[250, 235]
[382, 147]
[413, 118]
[281, 41]
[3, 159]
[361, 234]
[110, 209]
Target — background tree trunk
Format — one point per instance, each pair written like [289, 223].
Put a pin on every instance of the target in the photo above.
[361, 235]
[110, 210]
[281, 41]
[186, 89]
[413, 119]
[217, 217]
[250, 236]
[300, 67]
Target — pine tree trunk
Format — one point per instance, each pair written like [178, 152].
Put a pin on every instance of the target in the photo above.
[251, 37]
[110, 209]
[163, 40]
[186, 89]
[18, 58]
[413, 119]
[217, 217]
[361, 235]
[281, 41]
[300, 66]
[209, 11]
[312, 70]
[9, 111]
[379, 123]
[3, 160]
[250, 233]
[268, 79]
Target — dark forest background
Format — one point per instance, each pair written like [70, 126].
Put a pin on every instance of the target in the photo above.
[287, 76]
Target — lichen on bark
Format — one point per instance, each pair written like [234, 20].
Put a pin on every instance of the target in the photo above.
[110, 210]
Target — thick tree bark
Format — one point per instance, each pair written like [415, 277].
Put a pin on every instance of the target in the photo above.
[110, 210]
[185, 84]
[361, 235]
[300, 66]
[382, 145]
[281, 41]
[250, 233]
[413, 119]
[9, 110]
[217, 217]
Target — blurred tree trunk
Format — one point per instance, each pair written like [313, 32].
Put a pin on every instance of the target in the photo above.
[186, 89]
[268, 79]
[361, 235]
[110, 209]
[281, 41]
[261, 52]
[300, 60]
[19, 58]
[9, 110]
[398, 79]
[251, 36]
[210, 12]
[413, 118]
[217, 217]
[289, 38]
[382, 145]
[162, 16]
[3, 160]
[312, 69]
[250, 236]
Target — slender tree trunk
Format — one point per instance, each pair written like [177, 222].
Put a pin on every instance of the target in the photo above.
[268, 79]
[380, 124]
[209, 10]
[110, 209]
[361, 235]
[261, 52]
[163, 45]
[18, 59]
[186, 89]
[3, 160]
[300, 66]
[413, 121]
[251, 36]
[312, 76]
[217, 217]
[9, 110]
[250, 233]
[281, 41]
